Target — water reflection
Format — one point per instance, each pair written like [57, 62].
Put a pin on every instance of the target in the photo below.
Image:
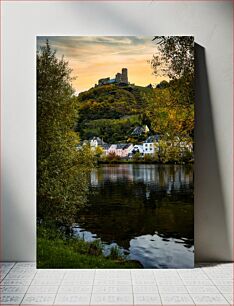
[159, 175]
[145, 209]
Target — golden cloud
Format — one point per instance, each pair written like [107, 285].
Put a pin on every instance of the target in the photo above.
[92, 58]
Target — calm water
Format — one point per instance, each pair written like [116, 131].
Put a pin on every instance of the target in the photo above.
[147, 210]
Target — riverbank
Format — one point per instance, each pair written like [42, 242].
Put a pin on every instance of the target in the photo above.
[54, 251]
[122, 161]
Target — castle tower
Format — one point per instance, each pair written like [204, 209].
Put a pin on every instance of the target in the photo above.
[118, 77]
[124, 78]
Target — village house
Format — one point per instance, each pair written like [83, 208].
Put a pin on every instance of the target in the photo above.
[98, 142]
[140, 130]
[151, 144]
[105, 147]
[121, 149]
[95, 142]
[149, 147]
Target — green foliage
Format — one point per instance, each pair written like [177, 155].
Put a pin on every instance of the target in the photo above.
[61, 169]
[163, 84]
[168, 110]
[54, 254]
[112, 157]
[137, 157]
[169, 115]
[95, 248]
[108, 101]
[56, 251]
[176, 61]
[112, 112]
[175, 58]
[168, 151]
[115, 253]
[172, 151]
[149, 158]
[98, 152]
[111, 130]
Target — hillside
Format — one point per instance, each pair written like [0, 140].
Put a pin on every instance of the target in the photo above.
[112, 112]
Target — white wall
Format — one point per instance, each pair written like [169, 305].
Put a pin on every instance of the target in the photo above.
[211, 24]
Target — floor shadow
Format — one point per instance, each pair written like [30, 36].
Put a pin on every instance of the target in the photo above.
[211, 232]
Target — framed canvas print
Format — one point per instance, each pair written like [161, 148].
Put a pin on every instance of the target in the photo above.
[115, 139]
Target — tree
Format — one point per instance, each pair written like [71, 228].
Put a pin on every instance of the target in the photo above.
[168, 115]
[163, 84]
[62, 180]
[173, 111]
[175, 58]
[112, 157]
[136, 157]
[98, 152]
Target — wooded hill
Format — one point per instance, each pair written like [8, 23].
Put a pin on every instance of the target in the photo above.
[112, 112]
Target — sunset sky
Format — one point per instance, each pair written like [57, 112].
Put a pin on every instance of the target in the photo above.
[94, 57]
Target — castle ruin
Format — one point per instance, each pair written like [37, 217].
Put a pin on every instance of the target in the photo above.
[120, 78]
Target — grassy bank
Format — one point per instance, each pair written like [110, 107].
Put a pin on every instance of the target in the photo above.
[56, 251]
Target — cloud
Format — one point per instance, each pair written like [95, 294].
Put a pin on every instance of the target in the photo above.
[94, 57]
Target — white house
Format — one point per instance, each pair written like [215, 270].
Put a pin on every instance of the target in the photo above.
[150, 146]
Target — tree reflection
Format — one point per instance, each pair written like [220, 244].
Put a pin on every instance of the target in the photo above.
[127, 201]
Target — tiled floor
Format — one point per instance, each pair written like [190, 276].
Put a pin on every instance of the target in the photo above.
[207, 284]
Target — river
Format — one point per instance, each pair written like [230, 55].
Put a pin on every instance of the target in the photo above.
[145, 209]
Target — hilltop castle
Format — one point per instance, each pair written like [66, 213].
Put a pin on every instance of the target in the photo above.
[120, 78]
